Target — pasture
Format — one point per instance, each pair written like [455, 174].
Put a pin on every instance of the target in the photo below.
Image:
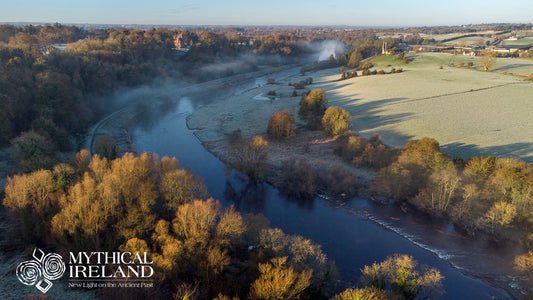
[522, 41]
[469, 112]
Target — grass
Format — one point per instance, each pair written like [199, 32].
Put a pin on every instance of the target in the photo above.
[441, 37]
[471, 40]
[522, 41]
[469, 112]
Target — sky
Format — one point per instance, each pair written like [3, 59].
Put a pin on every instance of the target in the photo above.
[272, 12]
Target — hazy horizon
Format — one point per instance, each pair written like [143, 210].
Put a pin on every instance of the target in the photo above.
[386, 13]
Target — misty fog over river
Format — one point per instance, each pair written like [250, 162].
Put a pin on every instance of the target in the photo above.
[352, 233]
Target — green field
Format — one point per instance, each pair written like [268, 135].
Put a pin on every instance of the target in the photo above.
[441, 37]
[522, 41]
[469, 112]
[468, 41]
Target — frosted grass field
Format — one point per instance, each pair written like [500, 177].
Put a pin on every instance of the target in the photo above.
[468, 111]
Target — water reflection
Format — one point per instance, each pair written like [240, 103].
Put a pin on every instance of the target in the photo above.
[247, 196]
[346, 233]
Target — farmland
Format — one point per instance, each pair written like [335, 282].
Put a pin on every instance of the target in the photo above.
[469, 112]
[522, 41]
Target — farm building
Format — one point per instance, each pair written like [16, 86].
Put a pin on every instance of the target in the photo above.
[512, 48]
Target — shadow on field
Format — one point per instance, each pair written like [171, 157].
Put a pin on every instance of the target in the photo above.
[521, 151]
[512, 66]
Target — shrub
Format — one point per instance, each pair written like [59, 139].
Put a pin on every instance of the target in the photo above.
[336, 121]
[312, 107]
[337, 181]
[367, 65]
[249, 157]
[376, 156]
[281, 125]
[298, 179]
[300, 85]
[351, 147]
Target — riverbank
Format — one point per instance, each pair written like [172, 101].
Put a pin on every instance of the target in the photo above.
[118, 125]
[216, 123]
[249, 112]
[354, 229]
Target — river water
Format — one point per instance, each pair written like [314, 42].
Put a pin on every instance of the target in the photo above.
[352, 233]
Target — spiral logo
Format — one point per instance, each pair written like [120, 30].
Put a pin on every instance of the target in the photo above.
[41, 270]
[29, 272]
[53, 266]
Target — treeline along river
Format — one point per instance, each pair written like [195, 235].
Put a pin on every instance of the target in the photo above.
[352, 233]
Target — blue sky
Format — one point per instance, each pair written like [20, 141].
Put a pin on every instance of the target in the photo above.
[273, 12]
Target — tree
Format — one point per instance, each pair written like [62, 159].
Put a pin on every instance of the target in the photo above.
[368, 293]
[281, 125]
[486, 61]
[312, 107]
[352, 147]
[279, 281]
[249, 157]
[298, 179]
[32, 151]
[440, 190]
[524, 264]
[106, 147]
[399, 275]
[178, 186]
[501, 214]
[336, 121]
[342, 69]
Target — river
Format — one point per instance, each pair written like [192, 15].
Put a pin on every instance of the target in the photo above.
[352, 233]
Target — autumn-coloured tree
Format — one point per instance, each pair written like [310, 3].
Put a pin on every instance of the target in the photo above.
[279, 281]
[500, 214]
[486, 62]
[399, 275]
[312, 107]
[281, 125]
[440, 191]
[336, 121]
[368, 293]
[249, 157]
[524, 264]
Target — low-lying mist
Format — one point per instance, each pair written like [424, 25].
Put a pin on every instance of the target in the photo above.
[322, 50]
